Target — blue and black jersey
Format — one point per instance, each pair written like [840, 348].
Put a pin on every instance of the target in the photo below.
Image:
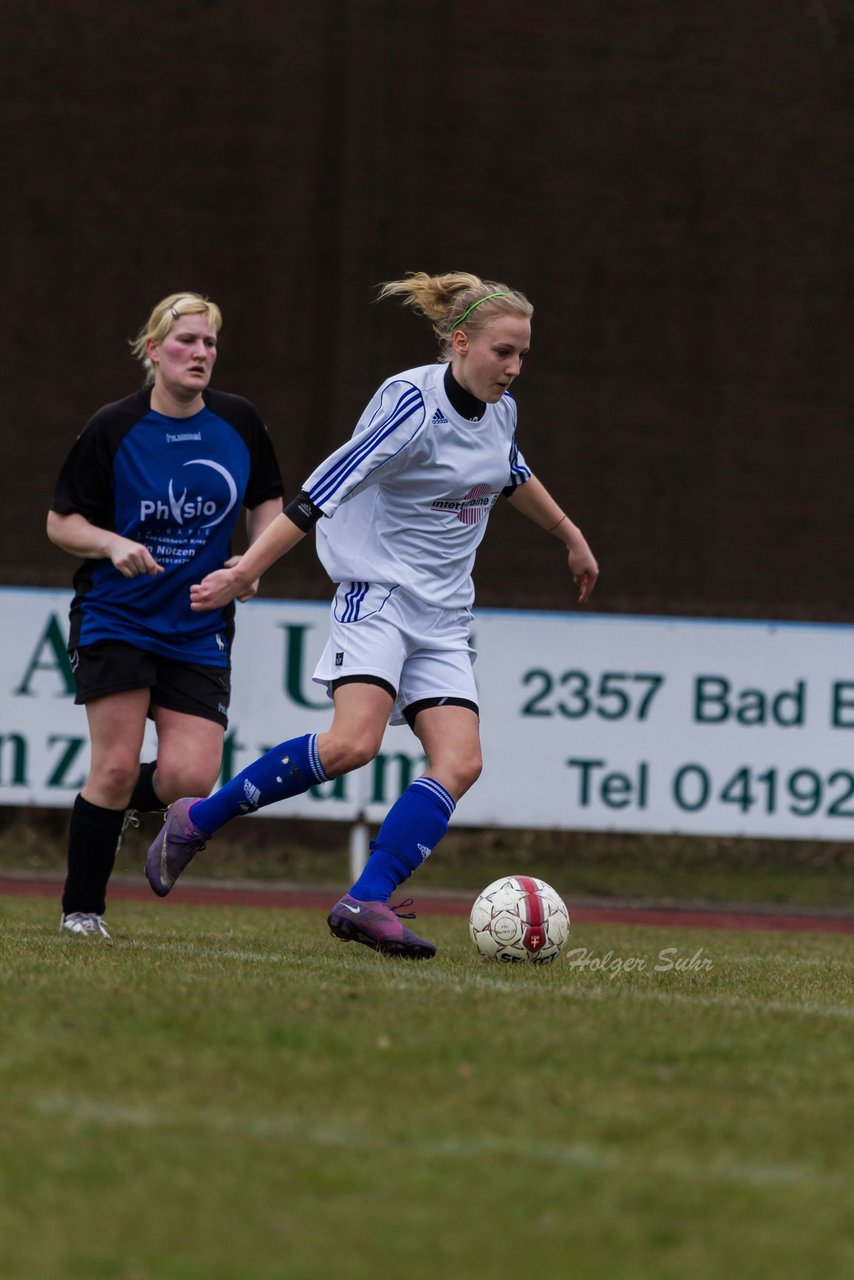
[177, 485]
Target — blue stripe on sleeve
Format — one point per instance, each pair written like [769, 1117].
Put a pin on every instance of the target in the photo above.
[518, 471]
[334, 478]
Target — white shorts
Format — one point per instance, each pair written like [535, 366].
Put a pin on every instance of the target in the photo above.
[420, 650]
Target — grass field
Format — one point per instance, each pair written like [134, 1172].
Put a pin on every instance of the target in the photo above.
[225, 1094]
[594, 863]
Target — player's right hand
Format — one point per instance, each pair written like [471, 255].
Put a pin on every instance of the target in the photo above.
[133, 558]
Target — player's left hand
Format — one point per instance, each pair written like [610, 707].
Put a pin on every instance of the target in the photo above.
[252, 589]
[584, 569]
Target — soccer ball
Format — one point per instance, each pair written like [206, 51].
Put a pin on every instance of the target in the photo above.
[518, 919]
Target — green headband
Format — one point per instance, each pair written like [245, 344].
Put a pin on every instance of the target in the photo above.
[458, 322]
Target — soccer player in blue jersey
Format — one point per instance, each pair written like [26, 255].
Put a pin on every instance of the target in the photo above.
[148, 499]
[406, 502]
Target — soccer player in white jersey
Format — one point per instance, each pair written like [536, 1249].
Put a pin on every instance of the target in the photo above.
[406, 502]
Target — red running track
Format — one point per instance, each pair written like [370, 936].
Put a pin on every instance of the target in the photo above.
[290, 896]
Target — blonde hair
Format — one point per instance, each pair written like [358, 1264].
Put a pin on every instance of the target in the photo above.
[457, 300]
[163, 317]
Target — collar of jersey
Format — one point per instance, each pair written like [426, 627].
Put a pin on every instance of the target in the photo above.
[465, 406]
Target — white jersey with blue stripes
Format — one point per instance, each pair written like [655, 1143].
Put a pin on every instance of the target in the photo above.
[411, 491]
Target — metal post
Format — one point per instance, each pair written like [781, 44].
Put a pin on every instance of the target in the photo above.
[359, 847]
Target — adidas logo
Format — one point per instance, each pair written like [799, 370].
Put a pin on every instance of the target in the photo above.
[438, 418]
[253, 795]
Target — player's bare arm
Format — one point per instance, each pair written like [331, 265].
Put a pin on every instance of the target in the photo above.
[79, 537]
[535, 502]
[224, 585]
[257, 520]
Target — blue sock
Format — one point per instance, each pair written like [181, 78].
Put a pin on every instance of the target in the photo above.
[287, 770]
[413, 827]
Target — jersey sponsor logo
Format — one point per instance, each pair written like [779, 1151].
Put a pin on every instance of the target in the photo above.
[187, 435]
[209, 510]
[438, 419]
[471, 508]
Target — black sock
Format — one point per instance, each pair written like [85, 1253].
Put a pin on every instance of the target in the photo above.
[92, 838]
[145, 799]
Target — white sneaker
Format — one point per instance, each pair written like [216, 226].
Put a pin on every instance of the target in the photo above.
[83, 922]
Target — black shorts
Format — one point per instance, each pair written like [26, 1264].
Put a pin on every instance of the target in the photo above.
[189, 687]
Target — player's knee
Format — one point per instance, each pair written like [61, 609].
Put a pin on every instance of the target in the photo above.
[342, 755]
[461, 773]
[189, 780]
[471, 769]
[114, 780]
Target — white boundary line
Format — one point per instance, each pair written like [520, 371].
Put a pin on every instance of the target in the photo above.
[286, 1128]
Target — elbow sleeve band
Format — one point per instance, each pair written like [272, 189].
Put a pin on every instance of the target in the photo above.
[303, 512]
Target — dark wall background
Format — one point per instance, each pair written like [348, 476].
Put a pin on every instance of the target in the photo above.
[670, 184]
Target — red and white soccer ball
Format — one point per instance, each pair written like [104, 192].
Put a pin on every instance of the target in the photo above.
[519, 919]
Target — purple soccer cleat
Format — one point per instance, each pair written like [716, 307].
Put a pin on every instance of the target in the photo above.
[377, 925]
[175, 847]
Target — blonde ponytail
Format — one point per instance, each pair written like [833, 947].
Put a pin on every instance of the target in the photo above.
[456, 300]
